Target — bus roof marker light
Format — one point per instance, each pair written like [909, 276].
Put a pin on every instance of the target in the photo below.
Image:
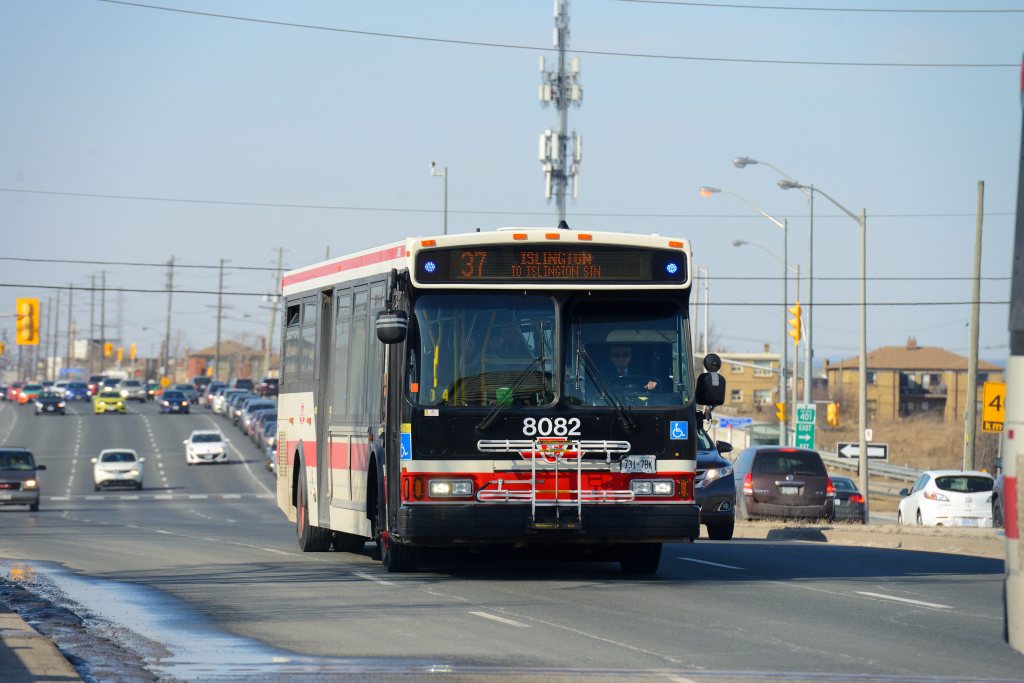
[553, 236]
[428, 243]
[519, 236]
[676, 244]
[585, 237]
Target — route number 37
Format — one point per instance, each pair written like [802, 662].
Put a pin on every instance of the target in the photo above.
[551, 426]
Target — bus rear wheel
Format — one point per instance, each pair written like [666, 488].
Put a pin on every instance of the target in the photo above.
[312, 539]
[640, 558]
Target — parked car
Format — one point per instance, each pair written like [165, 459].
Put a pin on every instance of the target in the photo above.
[28, 393]
[50, 402]
[189, 391]
[222, 401]
[268, 435]
[173, 402]
[205, 446]
[133, 390]
[117, 467]
[775, 481]
[206, 395]
[267, 386]
[849, 506]
[108, 401]
[76, 391]
[19, 484]
[997, 503]
[250, 408]
[714, 489]
[948, 498]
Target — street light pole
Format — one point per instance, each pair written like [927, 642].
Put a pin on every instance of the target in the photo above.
[444, 202]
[783, 225]
[742, 162]
[862, 407]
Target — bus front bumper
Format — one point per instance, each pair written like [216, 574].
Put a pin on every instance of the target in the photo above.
[442, 525]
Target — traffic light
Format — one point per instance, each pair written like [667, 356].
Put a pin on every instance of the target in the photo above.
[832, 414]
[3, 348]
[780, 411]
[131, 351]
[27, 313]
[120, 354]
[108, 349]
[794, 322]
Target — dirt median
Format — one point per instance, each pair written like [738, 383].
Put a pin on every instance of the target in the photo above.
[952, 540]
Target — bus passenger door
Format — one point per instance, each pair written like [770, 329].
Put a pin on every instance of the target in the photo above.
[321, 398]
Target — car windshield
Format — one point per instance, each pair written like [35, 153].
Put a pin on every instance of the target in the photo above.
[780, 462]
[33, 387]
[206, 438]
[49, 395]
[77, 385]
[476, 351]
[635, 350]
[130, 383]
[964, 483]
[119, 456]
[16, 460]
[844, 485]
[109, 394]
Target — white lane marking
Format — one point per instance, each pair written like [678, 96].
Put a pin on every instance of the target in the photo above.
[194, 496]
[371, 577]
[908, 601]
[678, 679]
[163, 497]
[494, 617]
[232, 496]
[712, 564]
[60, 498]
[10, 430]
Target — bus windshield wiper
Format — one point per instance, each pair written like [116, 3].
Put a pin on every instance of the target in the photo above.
[607, 393]
[502, 404]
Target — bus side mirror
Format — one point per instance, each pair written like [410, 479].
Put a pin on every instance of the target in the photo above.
[392, 326]
[711, 385]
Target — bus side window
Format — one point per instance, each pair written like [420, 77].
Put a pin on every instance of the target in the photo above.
[293, 318]
[342, 326]
[357, 355]
[307, 354]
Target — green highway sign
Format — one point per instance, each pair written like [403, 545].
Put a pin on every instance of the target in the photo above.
[806, 412]
[804, 435]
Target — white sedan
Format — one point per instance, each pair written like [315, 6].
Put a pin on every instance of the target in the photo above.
[117, 467]
[948, 498]
[205, 445]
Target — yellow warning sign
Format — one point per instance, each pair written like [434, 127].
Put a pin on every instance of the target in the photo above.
[993, 406]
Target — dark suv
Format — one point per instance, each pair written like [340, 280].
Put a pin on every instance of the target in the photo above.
[714, 488]
[267, 386]
[775, 481]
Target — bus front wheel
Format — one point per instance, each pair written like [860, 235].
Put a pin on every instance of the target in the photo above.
[640, 558]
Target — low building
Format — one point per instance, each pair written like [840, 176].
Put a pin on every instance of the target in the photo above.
[751, 383]
[236, 360]
[910, 381]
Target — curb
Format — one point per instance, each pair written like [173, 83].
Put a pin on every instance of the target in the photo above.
[27, 656]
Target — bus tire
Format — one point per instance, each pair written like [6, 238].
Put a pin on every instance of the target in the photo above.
[312, 539]
[641, 558]
[395, 558]
[347, 543]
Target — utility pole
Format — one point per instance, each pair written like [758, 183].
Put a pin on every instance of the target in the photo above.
[562, 88]
[971, 430]
[274, 297]
[103, 317]
[167, 337]
[220, 307]
[56, 337]
[92, 323]
[47, 335]
[71, 336]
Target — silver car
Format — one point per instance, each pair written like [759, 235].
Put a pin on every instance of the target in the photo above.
[133, 390]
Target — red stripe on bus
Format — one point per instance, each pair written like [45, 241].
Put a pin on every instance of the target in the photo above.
[348, 264]
[1010, 508]
[308, 453]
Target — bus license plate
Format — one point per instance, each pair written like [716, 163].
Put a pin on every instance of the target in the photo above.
[644, 464]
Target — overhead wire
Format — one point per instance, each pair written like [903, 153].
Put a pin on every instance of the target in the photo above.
[794, 8]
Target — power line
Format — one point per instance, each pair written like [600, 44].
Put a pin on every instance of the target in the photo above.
[25, 259]
[469, 212]
[534, 48]
[883, 10]
[840, 304]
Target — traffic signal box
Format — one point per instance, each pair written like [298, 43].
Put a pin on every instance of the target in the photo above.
[832, 414]
[131, 351]
[108, 349]
[794, 322]
[27, 312]
[780, 411]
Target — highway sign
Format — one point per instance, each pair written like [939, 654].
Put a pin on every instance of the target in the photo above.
[806, 412]
[993, 407]
[804, 435]
[876, 451]
[726, 422]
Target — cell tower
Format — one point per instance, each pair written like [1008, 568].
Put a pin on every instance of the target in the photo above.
[560, 154]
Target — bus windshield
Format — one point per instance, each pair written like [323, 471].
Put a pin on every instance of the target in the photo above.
[482, 350]
[631, 353]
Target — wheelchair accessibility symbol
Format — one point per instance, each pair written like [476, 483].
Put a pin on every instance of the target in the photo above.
[406, 447]
[679, 430]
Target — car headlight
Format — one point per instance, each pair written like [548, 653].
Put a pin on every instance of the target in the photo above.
[167, 403]
[652, 487]
[713, 474]
[30, 485]
[133, 473]
[39, 404]
[450, 488]
[124, 393]
[61, 404]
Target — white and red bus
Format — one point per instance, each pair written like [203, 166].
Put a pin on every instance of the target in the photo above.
[523, 387]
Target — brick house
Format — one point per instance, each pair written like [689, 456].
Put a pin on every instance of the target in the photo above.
[751, 382]
[909, 381]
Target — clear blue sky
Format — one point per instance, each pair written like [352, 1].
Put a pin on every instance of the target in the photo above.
[108, 99]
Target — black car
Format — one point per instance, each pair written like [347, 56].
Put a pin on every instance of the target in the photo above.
[173, 402]
[267, 387]
[714, 489]
[50, 402]
[849, 505]
[779, 481]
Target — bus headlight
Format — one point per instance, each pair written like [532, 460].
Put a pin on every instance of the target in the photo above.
[450, 488]
[652, 487]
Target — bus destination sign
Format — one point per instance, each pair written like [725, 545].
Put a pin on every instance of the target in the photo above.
[509, 264]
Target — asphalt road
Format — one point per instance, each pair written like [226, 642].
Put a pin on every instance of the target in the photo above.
[200, 574]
